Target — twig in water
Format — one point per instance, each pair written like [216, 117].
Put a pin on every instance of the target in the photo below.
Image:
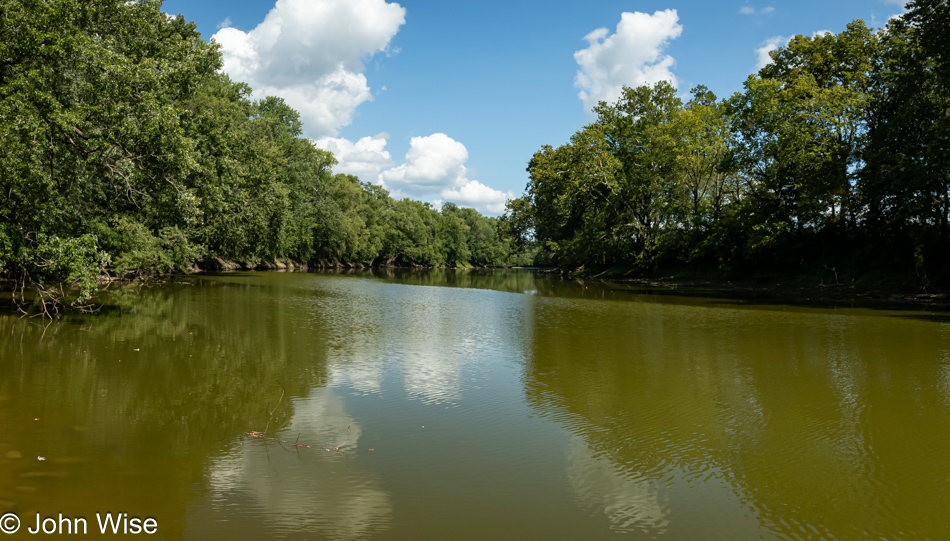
[272, 412]
[263, 435]
[299, 445]
[337, 448]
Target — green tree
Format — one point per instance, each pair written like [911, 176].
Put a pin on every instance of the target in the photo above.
[704, 160]
[647, 201]
[91, 132]
[802, 125]
[707, 170]
[906, 183]
[571, 192]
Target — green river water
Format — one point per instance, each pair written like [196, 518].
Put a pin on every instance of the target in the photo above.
[473, 405]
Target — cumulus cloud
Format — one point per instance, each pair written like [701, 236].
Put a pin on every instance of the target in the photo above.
[475, 194]
[769, 45]
[631, 56]
[434, 169]
[312, 54]
[431, 162]
[364, 158]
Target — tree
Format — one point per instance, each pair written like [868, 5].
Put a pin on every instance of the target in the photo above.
[122, 150]
[802, 126]
[705, 159]
[829, 76]
[647, 201]
[907, 179]
[91, 132]
[571, 192]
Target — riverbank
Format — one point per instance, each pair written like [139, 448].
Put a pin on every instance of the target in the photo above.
[788, 288]
[791, 290]
[892, 296]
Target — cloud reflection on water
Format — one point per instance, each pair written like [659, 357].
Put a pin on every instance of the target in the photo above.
[299, 493]
[432, 338]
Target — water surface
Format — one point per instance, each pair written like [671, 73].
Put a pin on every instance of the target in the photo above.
[476, 405]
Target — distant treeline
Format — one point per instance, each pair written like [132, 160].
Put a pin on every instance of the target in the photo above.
[834, 162]
[122, 149]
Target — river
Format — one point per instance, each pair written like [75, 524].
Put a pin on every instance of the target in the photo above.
[474, 404]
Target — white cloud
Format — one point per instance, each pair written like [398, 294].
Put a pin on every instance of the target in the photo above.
[364, 158]
[435, 170]
[749, 10]
[312, 54]
[431, 162]
[769, 45]
[632, 56]
[477, 195]
[226, 23]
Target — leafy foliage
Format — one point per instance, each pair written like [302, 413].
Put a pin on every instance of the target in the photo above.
[835, 155]
[122, 149]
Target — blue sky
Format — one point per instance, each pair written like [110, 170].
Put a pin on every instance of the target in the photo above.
[447, 101]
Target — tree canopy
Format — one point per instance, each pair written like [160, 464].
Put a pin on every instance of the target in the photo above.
[123, 149]
[836, 155]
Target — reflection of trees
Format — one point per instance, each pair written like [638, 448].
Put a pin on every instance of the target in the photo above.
[518, 281]
[141, 434]
[207, 368]
[508, 280]
[814, 424]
